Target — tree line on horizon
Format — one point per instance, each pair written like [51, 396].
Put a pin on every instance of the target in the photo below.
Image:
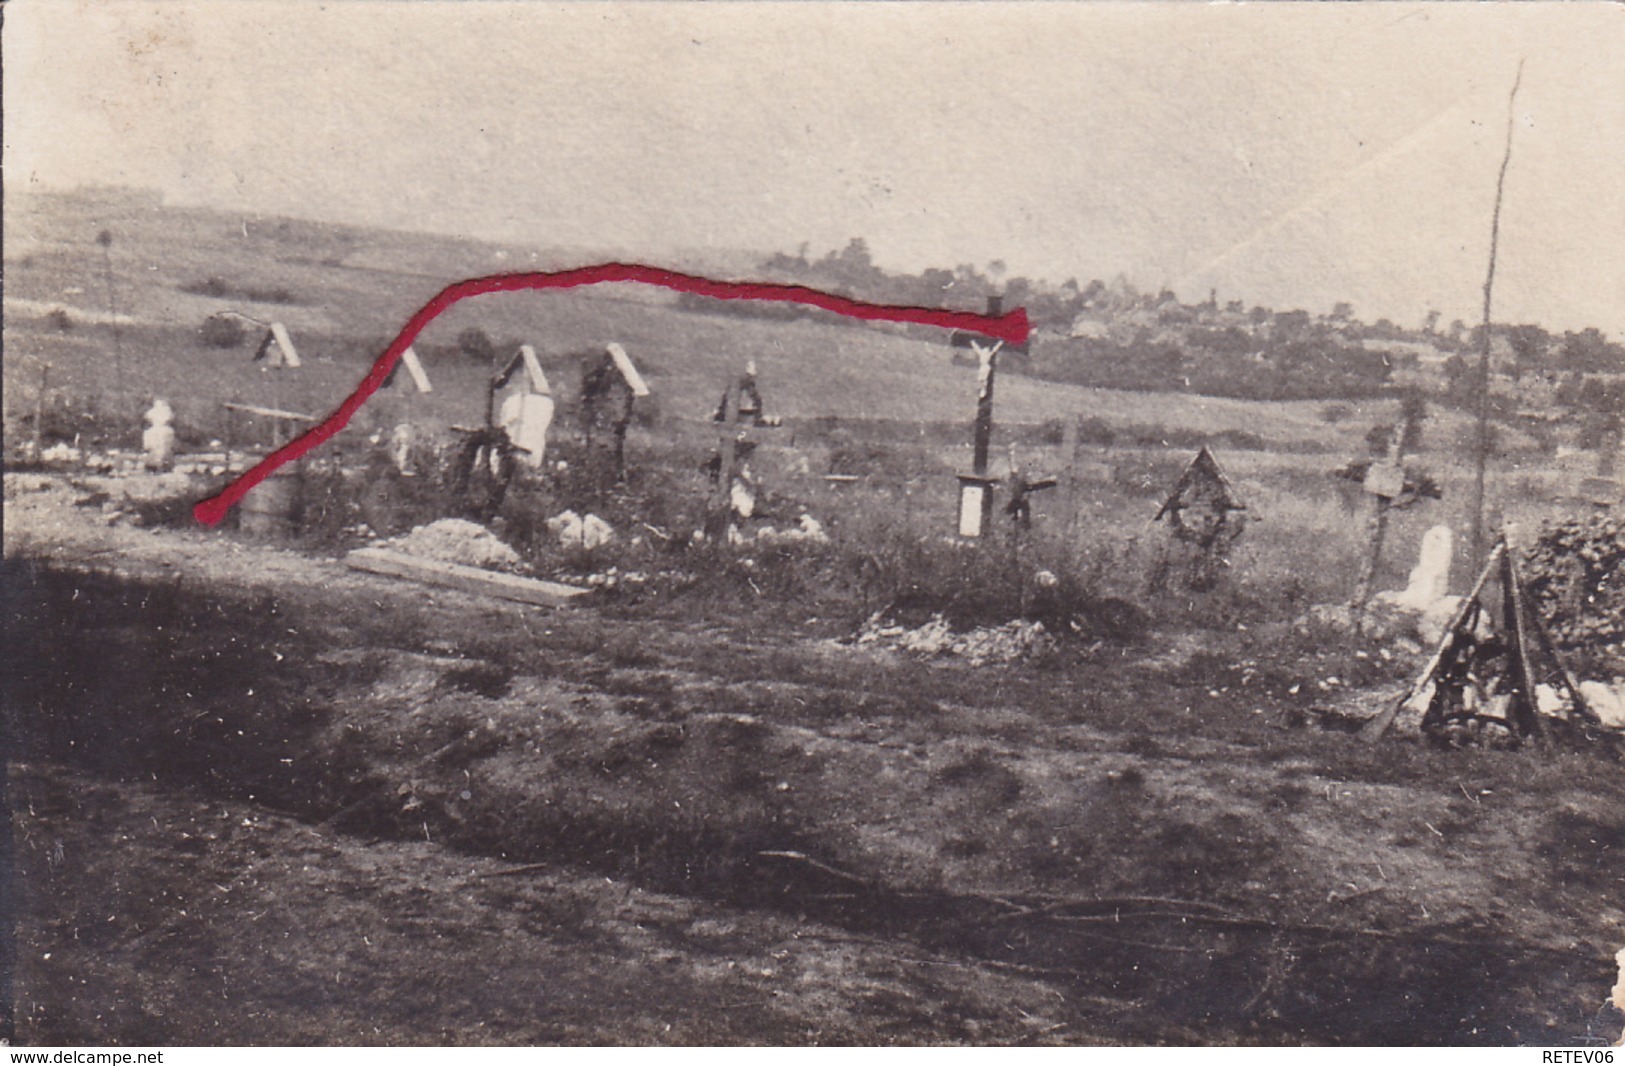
[1153, 341]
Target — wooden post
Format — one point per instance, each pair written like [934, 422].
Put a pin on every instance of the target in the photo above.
[1482, 445]
[1368, 574]
[987, 368]
[976, 491]
[1019, 511]
[105, 239]
[492, 384]
[722, 506]
[1069, 479]
[622, 422]
[1527, 709]
[39, 406]
[278, 428]
[1385, 480]
[1608, 454]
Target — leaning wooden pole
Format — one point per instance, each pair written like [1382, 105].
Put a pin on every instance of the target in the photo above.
[1481, 447]
[1544, 638]
[1526, 701]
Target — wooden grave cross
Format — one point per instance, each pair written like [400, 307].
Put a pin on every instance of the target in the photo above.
[612, 376]
[1204, 513]
[1019, 507]
[976, 488]
[738, 415]
[1384, 481]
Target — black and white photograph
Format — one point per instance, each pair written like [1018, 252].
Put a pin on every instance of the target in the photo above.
[812, 524]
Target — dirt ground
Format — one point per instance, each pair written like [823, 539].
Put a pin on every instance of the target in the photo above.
[258, 798]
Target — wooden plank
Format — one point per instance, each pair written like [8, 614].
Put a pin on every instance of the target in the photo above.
[463, 578]
[414, 367]
[268, 412]
[290, 356]
[623, 363]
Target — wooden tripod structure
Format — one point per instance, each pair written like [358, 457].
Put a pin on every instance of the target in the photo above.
[1519, 623]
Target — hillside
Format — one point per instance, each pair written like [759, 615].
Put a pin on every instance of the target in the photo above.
[344, 291]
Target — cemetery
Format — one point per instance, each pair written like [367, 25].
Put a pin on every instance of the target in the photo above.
[815, 646]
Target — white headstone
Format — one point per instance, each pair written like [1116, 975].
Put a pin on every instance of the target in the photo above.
[743, 498]
[526, 418]
[400, 446]
[970, 510]
[1425, 605]
[1430, 578]
[159, 444]
[158, 440]
[160, 413]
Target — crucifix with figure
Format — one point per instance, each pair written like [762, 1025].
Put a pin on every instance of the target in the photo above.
[976, 488]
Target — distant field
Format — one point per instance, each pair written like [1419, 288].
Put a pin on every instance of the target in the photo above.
[352, 290]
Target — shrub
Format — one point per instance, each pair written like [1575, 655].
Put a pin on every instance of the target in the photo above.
[221, 332]
[214, 287]
[1096, 430]
[220, 289]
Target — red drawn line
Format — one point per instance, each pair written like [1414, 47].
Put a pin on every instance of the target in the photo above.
[1011, 327]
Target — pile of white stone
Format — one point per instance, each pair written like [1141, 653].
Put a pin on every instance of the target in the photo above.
[1014, 641]
[455, 540]
[576, 531]
[808, 530]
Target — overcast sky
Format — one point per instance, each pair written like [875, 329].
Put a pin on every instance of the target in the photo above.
[1291, 155]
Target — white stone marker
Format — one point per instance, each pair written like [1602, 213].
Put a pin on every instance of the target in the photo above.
[158, 439]
[1430, 579]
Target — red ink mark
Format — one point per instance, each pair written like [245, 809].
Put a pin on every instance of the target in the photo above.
[1011, 327]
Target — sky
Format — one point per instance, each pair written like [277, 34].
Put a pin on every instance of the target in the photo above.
[1291, 155]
